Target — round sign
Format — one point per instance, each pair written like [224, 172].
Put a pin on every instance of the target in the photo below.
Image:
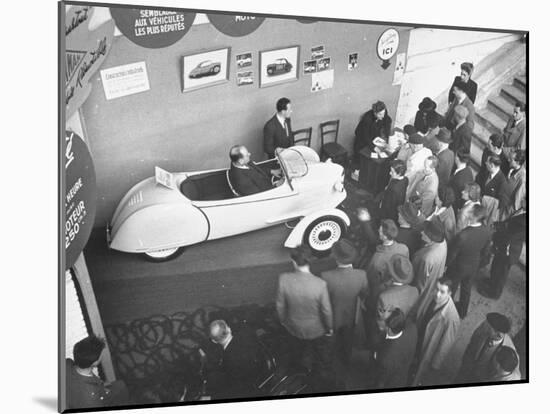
[235, 26]
[152, 28]
[80, 196]
[387, 45]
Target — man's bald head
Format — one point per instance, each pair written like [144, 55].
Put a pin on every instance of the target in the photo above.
[219, 331]
[239, 154]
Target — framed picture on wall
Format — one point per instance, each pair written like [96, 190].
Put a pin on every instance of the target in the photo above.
[203, 69]
[279, 65]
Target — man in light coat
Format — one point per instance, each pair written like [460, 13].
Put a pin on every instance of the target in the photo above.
[346, 286]
[424, 185]
[437, 323]
[429, 262]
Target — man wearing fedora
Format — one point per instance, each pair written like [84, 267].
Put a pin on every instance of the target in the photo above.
[445, 159]
[487, 339]
[423, 186]
[426, 109]
[410, 221]
[399, 295]
[346, 286]
[429, 262]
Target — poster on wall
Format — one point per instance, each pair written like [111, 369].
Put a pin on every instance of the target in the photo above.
[279, 65]
[317, 52]
[244, 60]
[310, 66]
[353, 61]
[322, 80]
[399, 69]
[235, 25]
[245, 78]
[80, 196]
[323, 64]
[85, 51]
[204, 69]
[124, 80]
[152, 28]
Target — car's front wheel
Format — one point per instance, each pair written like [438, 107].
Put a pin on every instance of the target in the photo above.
[163, 255]
[322, 233]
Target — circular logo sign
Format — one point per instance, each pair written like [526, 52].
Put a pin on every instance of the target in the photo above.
[152, 28]
[80, 196]
[387, 45]
[235, 26]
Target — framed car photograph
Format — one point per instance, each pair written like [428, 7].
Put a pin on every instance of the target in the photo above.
[279, 66]
[204, 69]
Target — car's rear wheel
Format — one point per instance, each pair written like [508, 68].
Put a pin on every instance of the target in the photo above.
[322, 233]
[163, 255]
[216, 69]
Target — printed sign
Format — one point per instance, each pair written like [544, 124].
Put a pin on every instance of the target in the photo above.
[165, 178]
[235, 26]
[322, 80]
[85, 52]
[387, 45]
[125, 80]
[152, 28]
[399, 69]
[80, 196]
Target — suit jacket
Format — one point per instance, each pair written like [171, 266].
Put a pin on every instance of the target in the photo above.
[392, 197]
[514, 135]
[438, 339]
[457, 182]
[430, 140]
[275, 136]
[345, 287]
[471, 90]
[425, 187]
[411, 238]
[477, 358]
[504, 166]
[466, 251]
[420, 122]
[470, 120]
[394, 358]
[494, 187]
[461, 138]
[303, 305]
[396, 296]
[369, 128]
[516, 191]
[251, 180]
[445, 165]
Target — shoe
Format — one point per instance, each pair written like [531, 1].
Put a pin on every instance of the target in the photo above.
[484, 291]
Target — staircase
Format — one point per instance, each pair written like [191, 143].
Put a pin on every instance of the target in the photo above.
[492, 118]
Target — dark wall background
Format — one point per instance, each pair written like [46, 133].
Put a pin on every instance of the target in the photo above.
[178, 131]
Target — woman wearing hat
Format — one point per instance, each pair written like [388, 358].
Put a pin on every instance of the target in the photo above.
[466, 70]
[425, 108]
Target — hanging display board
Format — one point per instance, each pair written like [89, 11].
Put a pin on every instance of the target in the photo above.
[235, 26]
[80, 196]
[387, 46]
[152, 29]
[85, 52]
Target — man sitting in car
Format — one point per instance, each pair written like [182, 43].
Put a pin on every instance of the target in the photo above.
[245, 177]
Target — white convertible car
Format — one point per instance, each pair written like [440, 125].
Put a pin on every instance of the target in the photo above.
[159, 220]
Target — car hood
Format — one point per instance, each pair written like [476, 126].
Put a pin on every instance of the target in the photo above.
[145, 194]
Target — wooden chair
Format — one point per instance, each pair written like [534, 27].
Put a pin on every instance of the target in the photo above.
[303, 136]
[331, 149]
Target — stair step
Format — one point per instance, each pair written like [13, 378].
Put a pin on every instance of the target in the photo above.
[476, 153]
[520, 82]
[490, 120]
[500, 107]
[512, 94]
[481, 134]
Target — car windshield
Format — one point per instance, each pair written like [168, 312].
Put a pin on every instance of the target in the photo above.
[293, 163]
[206, 63]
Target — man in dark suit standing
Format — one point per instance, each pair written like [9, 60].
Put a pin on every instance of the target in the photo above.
[278, 130]
[304, 309]
[461, 176]
[461, 132]
[396, 353]
[446, 159]
[466, 253]
[494, 191]
[514, 131]
[239, 364]
[494, 147]
[466, 70]
[395, 192]
[245, 177]
[346, 286]
[461, 99]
